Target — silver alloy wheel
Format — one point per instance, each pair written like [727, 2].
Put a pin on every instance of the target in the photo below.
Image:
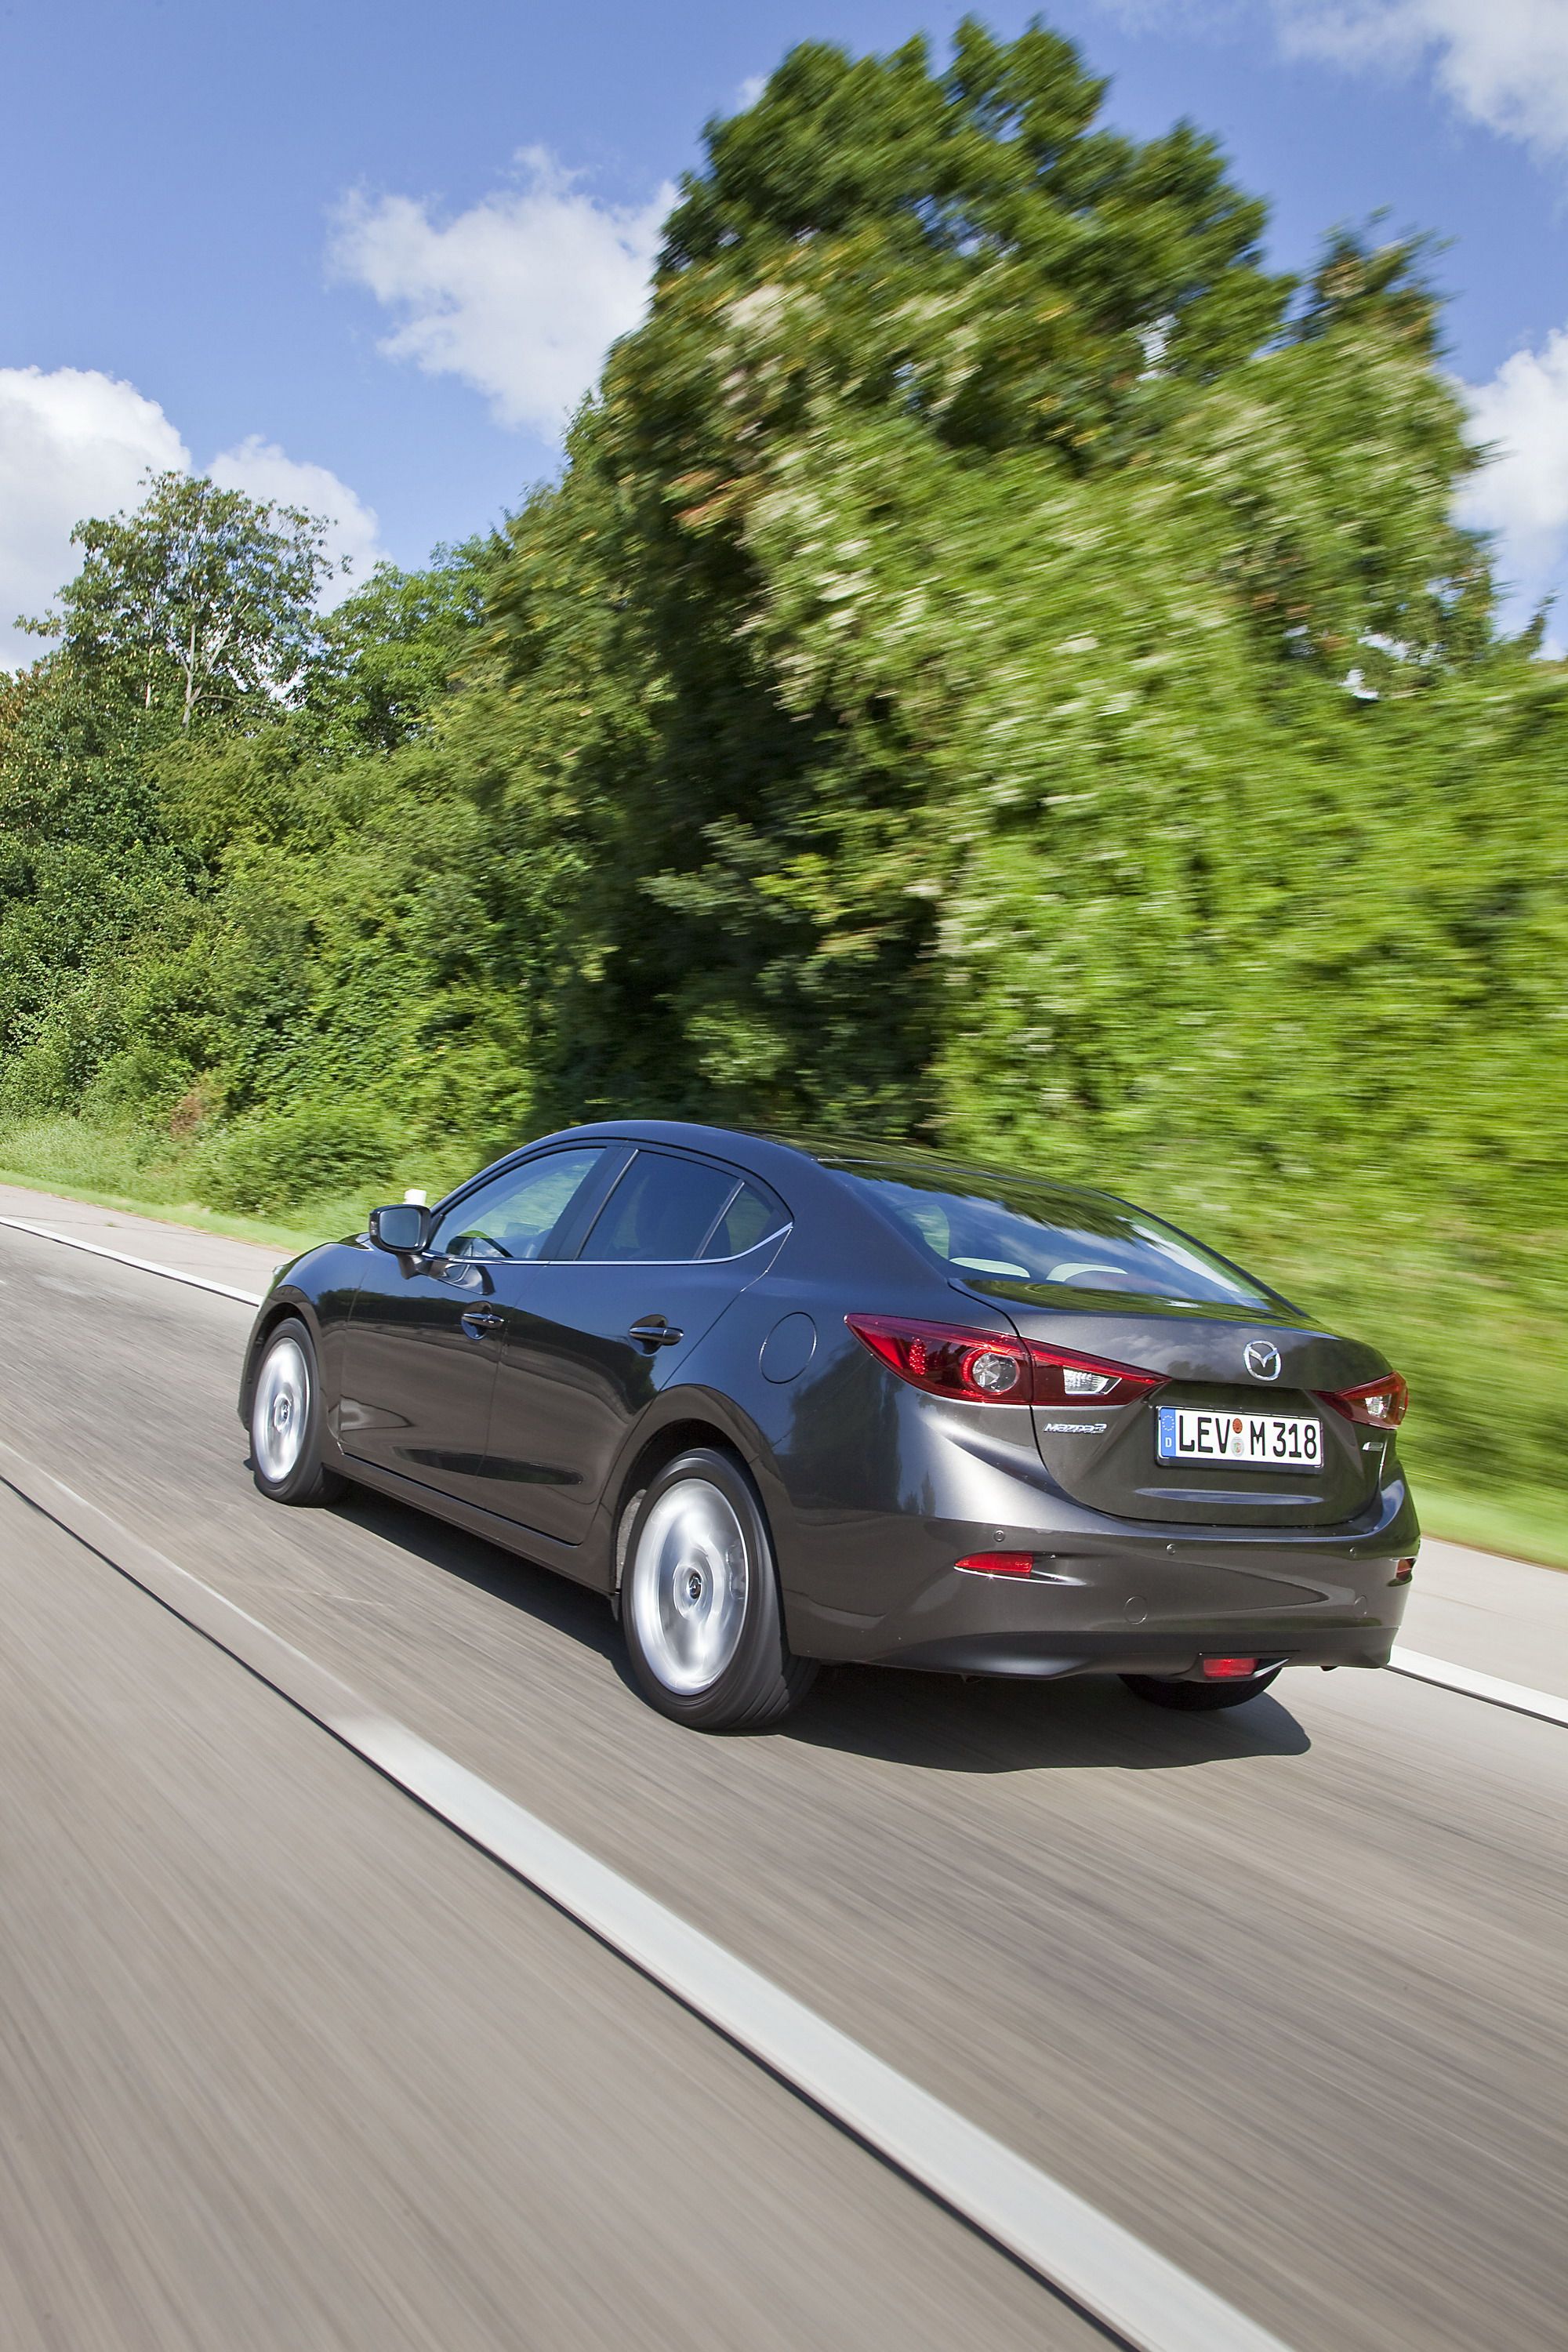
[281, 1414]
[689, 1580]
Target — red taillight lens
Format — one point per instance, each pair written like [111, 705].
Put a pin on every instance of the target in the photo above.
[998, 1563]
[1229, 1670]
[1377, 1404]
[985, 1369]
[948, 1361]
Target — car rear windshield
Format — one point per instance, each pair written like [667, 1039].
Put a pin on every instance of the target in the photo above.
[999, 1229]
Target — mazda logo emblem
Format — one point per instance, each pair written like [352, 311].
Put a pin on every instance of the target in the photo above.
[1261, 1361]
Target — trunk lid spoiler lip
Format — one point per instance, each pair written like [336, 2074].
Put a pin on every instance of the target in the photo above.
[1185, 1342]
[1274, 1313]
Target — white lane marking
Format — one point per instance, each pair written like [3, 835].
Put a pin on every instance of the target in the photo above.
[1518, 1696]
[142, 1264]
[1087, 2257]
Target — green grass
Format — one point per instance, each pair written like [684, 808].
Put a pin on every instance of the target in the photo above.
[114, 1169]
[1534, 1525]
[302, 1232]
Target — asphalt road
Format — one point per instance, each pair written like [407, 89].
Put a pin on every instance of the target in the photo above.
[286, 2063]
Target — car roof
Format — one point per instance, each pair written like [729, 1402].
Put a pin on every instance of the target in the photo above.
[772, 1155]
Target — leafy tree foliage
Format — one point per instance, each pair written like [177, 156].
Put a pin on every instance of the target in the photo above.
[950, 410]
[202, 601]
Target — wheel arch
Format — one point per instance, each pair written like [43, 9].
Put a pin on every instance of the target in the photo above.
[284, 1307]
[696, 1417]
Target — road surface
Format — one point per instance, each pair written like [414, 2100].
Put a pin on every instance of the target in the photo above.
[286, 2063]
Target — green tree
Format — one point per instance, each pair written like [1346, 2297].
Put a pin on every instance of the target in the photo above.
[937, 365]
[199, 606]
[385, 656]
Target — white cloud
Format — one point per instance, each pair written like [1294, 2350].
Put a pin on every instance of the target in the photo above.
[72, 444]
[752, 88]
[76, 443]
[262, 471]
[1503, 62]
[1521, 494]
[520, 296]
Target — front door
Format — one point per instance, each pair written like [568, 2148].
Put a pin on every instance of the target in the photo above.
[590, 1340]
[425, 1336]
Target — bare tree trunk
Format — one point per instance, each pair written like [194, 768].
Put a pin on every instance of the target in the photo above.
[190, 676]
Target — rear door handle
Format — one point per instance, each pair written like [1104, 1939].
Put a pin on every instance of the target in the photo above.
[479, 1321]
[652, 1331]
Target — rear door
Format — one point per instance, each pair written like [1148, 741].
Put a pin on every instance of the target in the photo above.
[425, 1337]
[591, 1339]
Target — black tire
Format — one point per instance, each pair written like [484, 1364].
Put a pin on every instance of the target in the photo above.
[1198, 1698]
[286, 1420]
[699, 1600]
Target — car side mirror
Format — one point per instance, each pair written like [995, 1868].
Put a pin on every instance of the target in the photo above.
[403, 1228]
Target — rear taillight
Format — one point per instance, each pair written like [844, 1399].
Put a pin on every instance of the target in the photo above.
[948, 1361]
[986, 1369]
[1377, 1404]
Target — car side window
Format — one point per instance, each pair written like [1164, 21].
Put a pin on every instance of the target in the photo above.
[662, 1210]
[515, 1215]
[751, 1217]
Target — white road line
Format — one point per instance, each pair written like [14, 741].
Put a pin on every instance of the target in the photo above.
[1518, 1696]
[142, 1264]
[1079, 2251]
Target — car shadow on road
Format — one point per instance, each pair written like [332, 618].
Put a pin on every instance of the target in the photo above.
[931, 1722]
[943, 1724]
[538, 1592]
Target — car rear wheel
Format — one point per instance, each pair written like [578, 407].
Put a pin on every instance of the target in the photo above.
[699, 1600]
[286, 1420]
[1198, 1698]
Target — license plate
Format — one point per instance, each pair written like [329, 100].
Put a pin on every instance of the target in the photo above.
[1243, 1441]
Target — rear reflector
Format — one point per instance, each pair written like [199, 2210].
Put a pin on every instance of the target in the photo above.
[1228, 1670]
[1404, 1569]
[998, 1563]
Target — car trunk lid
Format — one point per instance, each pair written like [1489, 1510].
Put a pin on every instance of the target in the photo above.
[1106, 1456]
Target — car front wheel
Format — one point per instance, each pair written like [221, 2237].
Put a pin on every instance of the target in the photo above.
[699, 1600]
[286, 1420]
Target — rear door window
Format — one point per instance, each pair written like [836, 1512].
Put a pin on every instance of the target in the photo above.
[663, 1211]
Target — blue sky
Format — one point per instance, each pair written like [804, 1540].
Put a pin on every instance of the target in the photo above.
[220, 217]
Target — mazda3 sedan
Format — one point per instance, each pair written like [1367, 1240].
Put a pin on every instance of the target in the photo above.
[785, 1403]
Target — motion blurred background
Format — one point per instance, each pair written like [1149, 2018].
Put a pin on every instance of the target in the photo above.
[1006, 650]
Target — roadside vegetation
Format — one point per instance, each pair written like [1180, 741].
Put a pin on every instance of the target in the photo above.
[997, 667]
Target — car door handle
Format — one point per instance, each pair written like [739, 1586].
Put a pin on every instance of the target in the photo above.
[479, 1322]
[652, 1331]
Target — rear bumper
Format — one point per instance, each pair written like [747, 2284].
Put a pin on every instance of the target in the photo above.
[1047, 1657]
[1117, 1600]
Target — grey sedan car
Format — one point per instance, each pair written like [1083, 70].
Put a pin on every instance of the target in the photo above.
[785, 1403]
